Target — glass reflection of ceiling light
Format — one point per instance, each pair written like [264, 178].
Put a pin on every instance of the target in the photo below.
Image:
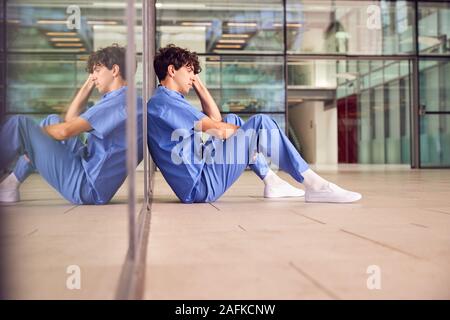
[237, 35]
[52, 22]
[13, 21]
[228, 46]
[113, 5]
[105, 22]
[242, 24]
[180, 5]
[206, 24]
[68, 44]
[58, 34]
[231, 41]
[65, 39]
[289, 25]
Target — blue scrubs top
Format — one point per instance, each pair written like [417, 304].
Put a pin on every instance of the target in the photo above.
[171, 135]
[105, 159]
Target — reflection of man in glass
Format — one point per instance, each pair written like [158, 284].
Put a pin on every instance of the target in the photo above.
[197, 171]
[88, 173]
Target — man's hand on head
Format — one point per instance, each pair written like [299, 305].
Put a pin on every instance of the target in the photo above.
[90, 83]
[197, 84]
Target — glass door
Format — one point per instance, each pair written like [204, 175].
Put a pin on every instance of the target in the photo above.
[434, 113]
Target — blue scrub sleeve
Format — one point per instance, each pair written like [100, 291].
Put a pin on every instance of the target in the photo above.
[104, 118]
[182, 117]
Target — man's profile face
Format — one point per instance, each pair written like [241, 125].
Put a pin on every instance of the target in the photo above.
[184, 77]
[103, 78]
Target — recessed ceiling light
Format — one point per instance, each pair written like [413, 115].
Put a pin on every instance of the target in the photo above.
[52, 22]
[228, 46]
[58, 34]
[105, 22]
[231, 41]
[206, 24]
[289, 25]
[65, 39]
[242, 24]
[235, 35]
[68, 44]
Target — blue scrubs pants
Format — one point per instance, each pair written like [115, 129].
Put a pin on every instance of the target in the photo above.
[58, 162]
[218, 177]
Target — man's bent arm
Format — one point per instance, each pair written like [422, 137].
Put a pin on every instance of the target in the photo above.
[79, 102]
[66, 130]
[209, 106]
[219, 129]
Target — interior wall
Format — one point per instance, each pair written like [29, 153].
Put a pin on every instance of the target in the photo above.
[316, 129]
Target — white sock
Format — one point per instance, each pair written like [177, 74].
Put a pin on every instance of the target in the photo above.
[271, 179]
[10, 182]
[275, 187]
[312, 181]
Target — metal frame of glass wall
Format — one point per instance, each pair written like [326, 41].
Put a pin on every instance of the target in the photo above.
[3, 59]
[131, 283]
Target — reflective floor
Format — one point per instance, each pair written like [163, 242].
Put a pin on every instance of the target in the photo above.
[47, 242]
[397, 238]
[394, 243]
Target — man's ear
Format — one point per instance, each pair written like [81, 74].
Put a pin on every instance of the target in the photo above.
[170, 70]
[116, 70]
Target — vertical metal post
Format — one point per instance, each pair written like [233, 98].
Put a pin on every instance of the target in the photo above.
[148, 24]
[285, 65]
[152, 52]
[145, 95]
[4, 58]
[131, 125]
[415, 120]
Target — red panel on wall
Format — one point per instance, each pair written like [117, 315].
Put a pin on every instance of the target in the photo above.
[347, 129]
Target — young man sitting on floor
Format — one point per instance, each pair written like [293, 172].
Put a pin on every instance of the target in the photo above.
[82, 173]
[202, 171]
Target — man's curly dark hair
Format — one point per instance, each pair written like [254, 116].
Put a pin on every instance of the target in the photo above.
[108, 57]
[176, 56]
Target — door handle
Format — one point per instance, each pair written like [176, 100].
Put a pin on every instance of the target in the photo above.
[422, 109]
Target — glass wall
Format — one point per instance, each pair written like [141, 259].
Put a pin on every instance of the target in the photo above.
[369, 100]
[435, 112]
[229, 26]
[48, 45]
[254, 61]
[46, 50]
[434, 27]
[241, 48]
[434, 85]
[354, 27]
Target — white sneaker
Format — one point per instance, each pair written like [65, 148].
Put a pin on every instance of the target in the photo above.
[332, 193]
[9, 189]
[9, 195]
[283, 190]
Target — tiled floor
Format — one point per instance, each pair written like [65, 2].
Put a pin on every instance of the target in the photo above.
[243, 246]
[43, 235]
[247, 247]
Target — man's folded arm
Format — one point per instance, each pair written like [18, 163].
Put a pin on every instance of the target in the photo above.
[219, 129]
[68, 129]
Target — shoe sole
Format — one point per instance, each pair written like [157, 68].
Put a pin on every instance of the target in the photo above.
[283, 196]
[316, 200]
